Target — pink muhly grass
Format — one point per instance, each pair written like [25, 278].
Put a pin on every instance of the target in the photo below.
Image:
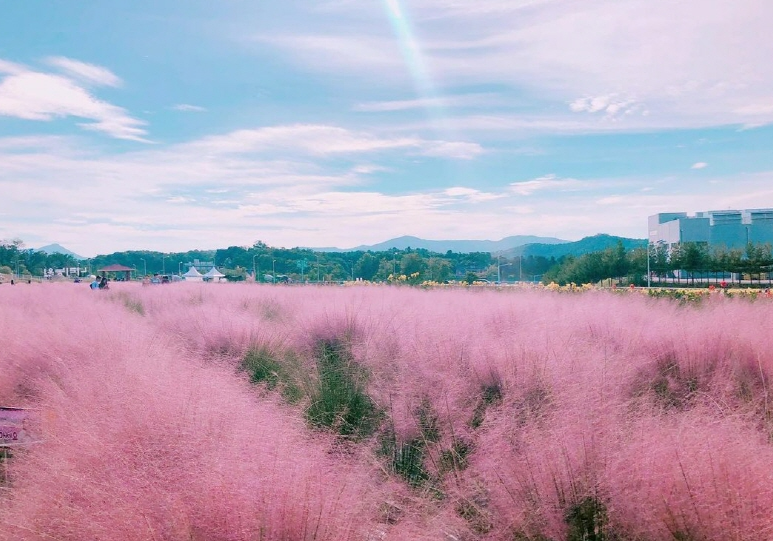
[692, 476]
[532, 414]
[147, 439]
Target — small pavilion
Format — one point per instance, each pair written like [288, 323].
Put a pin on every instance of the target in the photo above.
[116, 269]
[192, 275]
[214, 275]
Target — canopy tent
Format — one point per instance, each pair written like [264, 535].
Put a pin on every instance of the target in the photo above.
[192, 275]
[117, 268]
[214, 275]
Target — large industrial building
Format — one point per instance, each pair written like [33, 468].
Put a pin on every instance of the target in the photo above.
[728, 228]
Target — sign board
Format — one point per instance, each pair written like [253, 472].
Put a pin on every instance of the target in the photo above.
[16, 426]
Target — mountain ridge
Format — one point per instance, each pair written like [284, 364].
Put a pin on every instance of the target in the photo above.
[443, 246]
[55, 248]
[593, 243]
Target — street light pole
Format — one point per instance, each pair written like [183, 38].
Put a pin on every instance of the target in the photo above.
[179, 268]
[648, 264]
[144, 266]
[273, 271]
[499, 270]
[163, 264]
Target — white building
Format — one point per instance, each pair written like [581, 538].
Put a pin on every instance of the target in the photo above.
[728, 228]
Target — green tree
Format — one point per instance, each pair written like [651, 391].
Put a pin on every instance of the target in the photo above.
[385, 270]
[439, 269]
[412, 263]
[367, 266]
[692, 257]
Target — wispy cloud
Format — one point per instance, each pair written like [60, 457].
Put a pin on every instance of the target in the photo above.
[34, 95]
[89, 73]
[609, 105]
[471, 194]
[193, 195]
[345, 51]
[699, 165]
[185, 107]
[11, 67]
[543, 47]
[323, 140]
[468, 100]
[548, 182]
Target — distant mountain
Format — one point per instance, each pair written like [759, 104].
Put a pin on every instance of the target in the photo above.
[442, 246]
[58, 249]
[596, 243]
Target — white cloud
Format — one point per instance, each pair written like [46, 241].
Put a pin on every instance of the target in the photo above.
[324, 140]
[10, 67]
[451, 149]
[33, 95]
[180, 199]
[468, 100]
[89, 73]
[611, 200]
[236, 188]
[693, 63]
[369, 169]
[185, 107]
[548, 182]
[471, 194]
[699, 165]
[346, 51]
[610, 105]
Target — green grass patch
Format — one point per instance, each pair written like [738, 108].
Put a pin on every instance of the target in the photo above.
[490, 395]
[456, 458]
[406, 459]
[587, 521]
[339, 398]
[274, 370]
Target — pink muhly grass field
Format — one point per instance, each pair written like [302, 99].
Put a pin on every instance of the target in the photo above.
[483, 415]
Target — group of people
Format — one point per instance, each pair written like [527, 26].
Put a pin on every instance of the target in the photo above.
[99, 283]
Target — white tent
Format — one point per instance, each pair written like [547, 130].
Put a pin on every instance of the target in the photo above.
[193, 275]
[214, 275]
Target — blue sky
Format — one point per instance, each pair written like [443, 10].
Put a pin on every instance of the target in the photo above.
[170, 126]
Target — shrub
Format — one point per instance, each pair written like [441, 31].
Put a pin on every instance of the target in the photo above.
[274, 370]
[339, 399]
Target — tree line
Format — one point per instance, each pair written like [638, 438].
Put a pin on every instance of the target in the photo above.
[688, 261]
[416, 265]
[296, 264]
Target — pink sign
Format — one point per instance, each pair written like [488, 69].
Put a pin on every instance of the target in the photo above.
[15, 426]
